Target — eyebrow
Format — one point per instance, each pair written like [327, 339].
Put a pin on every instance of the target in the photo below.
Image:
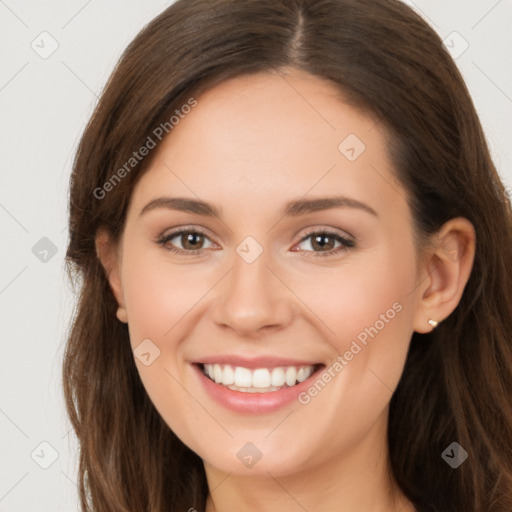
[291, 209]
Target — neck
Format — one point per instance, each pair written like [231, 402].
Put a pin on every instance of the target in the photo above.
[357, 479]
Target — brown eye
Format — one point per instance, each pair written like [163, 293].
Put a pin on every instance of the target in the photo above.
[192, 241]
[189, 241]
[323, 243]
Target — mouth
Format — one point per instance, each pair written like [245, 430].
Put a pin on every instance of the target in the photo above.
[254, 385]
[258, 380]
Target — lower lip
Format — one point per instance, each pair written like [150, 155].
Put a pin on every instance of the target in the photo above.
[252, 403]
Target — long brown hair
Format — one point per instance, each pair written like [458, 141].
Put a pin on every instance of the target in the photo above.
[386, 60]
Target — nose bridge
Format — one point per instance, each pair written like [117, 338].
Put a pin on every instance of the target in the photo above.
[252, 297]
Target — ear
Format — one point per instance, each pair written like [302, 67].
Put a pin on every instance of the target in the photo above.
[110, 259]
[445, 271]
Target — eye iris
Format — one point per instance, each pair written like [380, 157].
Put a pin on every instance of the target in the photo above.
[317, 240]
[190, 237]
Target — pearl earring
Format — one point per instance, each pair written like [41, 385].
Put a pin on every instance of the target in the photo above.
[433, 323]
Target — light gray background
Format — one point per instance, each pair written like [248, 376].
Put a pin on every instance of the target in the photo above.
[44, 105]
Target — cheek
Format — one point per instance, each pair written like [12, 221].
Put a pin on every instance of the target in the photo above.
[366, 311]
[359, 294]
[370, 309]
[159, 300]
[158, 295]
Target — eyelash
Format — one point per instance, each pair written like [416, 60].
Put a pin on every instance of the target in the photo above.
[346, 243]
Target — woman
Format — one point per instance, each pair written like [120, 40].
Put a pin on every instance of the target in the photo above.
[293, 252]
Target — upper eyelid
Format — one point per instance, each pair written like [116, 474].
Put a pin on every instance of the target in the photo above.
[329, 231]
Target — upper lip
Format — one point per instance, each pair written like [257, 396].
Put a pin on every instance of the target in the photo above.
[254, 362]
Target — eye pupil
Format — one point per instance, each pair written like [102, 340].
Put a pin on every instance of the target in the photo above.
[190, 237]
[317, 240]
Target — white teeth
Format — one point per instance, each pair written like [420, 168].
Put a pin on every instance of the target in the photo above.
[278, 377]
[290, 375]
[303, 374]
[217, 373]
[228, 376]
[259, 380]
[243, 377]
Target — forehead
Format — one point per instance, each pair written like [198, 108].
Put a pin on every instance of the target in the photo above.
[285, 114]
[269, 138]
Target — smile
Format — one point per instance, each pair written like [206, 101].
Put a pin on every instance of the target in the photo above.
[259, 387]
[259, 380]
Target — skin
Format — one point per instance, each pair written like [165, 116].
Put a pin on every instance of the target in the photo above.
[252, 144]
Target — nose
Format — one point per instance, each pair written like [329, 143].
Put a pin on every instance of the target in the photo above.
[253, 300]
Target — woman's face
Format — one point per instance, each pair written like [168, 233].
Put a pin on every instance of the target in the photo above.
[307, 265]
